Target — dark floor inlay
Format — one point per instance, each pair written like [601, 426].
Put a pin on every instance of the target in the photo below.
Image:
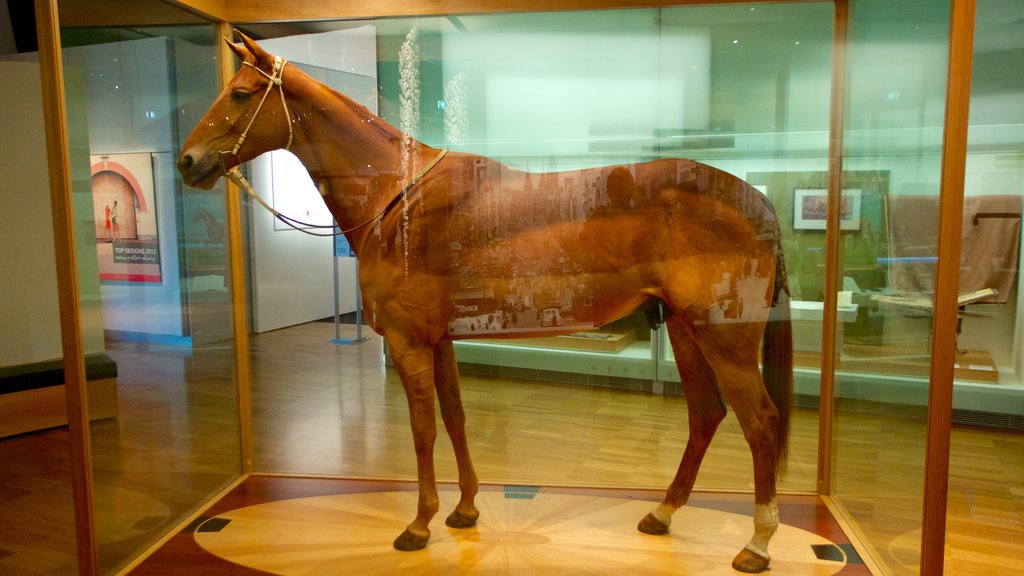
[521, 492]
[829, 552]
[851, 554]
[837, 553]
[193, 525]
[213, 525]
[207, 524]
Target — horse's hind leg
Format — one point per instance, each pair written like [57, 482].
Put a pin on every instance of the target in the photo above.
[446, 381]
[731, 350]
[705, 411]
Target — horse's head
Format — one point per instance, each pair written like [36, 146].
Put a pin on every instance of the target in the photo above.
[245, 121]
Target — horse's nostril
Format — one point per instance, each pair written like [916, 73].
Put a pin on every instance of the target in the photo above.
[185, 163]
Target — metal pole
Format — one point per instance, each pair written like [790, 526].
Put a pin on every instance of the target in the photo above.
[337, 290]
[359, 308]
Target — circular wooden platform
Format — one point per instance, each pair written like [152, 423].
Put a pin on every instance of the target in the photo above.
[519, 532]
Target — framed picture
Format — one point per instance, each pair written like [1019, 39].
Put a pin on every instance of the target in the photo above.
[124, 211]
[810, 207]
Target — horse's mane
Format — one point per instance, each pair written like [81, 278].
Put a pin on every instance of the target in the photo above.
[345, 103]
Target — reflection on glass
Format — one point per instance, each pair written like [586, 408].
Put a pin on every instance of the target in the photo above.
[892, 150]
[37, 522]
[152, 265]
[740, 88]
[626, 86]
[454, 245]
[985, 471]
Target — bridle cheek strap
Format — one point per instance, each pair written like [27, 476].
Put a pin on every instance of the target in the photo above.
[276, 79]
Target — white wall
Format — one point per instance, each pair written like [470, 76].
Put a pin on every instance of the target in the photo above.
[292, 272]
[29, 311]
[29, 315]
[126, 92]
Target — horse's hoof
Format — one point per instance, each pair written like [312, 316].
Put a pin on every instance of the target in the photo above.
[409, 542]
[459, 520]
[651, 525]
[747, 561]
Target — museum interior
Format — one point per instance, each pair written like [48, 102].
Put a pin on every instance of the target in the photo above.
[191, 385]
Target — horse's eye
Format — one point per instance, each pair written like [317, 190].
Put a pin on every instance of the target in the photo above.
[240, 96]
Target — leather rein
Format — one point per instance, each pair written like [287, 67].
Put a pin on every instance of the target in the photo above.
[276, 78]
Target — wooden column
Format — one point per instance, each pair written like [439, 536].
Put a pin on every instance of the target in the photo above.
[236, 257]
[59, 161]
[832, 253]
[947, 282]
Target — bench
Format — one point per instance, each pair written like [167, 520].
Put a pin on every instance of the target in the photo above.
[32, 395]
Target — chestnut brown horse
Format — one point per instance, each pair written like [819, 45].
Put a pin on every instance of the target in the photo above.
[456, 246]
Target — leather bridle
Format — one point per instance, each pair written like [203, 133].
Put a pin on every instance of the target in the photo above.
[276, 78]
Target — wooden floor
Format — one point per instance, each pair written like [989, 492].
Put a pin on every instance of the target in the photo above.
[298, 526]
[336, 410]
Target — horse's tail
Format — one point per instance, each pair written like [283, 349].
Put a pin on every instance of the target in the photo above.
[777, 357]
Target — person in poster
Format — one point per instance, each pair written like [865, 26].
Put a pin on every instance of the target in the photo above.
[115, 230]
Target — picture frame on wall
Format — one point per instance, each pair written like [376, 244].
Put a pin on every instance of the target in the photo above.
[810, 209]
[124, 213]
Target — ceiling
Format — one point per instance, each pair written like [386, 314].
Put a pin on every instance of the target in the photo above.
[999, 25]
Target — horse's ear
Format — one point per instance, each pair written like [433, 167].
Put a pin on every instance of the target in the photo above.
[238, 49]
[260, 54]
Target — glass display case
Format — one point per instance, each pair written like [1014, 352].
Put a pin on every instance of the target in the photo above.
[150, 264]
[224, 324]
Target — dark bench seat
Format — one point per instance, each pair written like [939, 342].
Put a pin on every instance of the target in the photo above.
[32, 395]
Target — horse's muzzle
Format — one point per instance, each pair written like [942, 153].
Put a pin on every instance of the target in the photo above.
[197, 170]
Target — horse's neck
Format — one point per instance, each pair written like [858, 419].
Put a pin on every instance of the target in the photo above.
[353, 156]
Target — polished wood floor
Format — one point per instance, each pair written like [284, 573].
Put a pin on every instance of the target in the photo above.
[337, 410]
[298, 526]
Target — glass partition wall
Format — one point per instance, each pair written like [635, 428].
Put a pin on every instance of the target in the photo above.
[743, 88]
[892, 145]
[736, 87]
[986, 471]
[37, 514]
[152, 265]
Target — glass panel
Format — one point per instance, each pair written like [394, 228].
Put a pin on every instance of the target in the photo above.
[771, 76]
[152, 267]
[897, 58]
[987, 455]
[736, 87]
[37, 525]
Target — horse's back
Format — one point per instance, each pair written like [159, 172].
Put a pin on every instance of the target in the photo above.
[591, 244]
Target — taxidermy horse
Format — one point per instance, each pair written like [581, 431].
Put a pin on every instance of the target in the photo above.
[454, 245]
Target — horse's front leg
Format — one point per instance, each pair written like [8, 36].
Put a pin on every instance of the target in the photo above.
[446, 381]
[414, 362]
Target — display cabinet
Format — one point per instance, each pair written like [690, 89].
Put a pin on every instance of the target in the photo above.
[850, 117]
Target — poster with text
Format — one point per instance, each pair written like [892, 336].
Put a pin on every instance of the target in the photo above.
[124, 207]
